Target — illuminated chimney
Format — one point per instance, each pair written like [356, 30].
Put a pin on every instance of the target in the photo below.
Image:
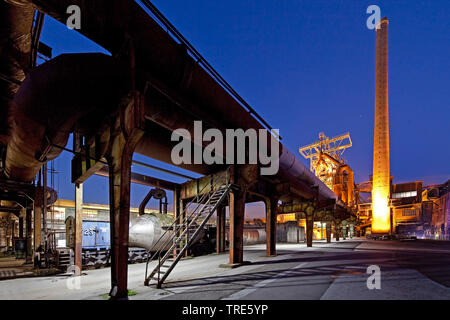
[381, 175]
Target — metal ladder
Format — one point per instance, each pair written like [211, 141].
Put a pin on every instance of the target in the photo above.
[177, 233]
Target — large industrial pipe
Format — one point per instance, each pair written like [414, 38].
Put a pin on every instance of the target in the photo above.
[16, 20]
[167, 61]
[54, 99]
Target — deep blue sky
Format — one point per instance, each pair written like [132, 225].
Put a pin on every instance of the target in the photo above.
[308, 66]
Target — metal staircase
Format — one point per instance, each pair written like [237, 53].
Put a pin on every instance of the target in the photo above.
[178, 237]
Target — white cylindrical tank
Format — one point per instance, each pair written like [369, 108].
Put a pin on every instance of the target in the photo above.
[145, 230]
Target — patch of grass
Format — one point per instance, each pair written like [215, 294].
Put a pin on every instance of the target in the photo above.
[130, 293]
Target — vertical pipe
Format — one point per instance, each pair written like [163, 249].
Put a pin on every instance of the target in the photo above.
[44, 202]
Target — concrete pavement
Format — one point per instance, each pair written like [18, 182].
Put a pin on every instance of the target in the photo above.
[325, 271]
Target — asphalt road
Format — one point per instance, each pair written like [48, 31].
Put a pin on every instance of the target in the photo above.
[408, 270]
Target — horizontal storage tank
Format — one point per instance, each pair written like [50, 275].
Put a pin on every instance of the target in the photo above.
[145, 230]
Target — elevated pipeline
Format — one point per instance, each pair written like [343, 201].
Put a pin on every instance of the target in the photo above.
[54, 99]
[108, 23]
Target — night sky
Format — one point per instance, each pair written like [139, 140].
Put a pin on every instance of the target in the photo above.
[309, 66]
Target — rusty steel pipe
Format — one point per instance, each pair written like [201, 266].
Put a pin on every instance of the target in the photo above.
[52, 101]
[16, 20]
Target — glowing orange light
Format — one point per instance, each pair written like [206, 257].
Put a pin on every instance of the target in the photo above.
[381, 221]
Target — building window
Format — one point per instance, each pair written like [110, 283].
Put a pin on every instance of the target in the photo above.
[409, 212]
[400, 195]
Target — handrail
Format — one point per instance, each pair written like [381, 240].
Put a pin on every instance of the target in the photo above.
[199, 203]
[187, 217]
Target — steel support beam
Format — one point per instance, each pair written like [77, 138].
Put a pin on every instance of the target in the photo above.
[237, 209]
[37, 219]
[337, 229]
[328, 231]
[28, 231]
[144, 180]
[127, 132]
[344, 231]
[271, 226]
[20, 227]
[309, 229]
[78, 227]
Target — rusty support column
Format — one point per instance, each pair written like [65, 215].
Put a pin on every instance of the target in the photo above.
[127, 132]
[37, 217]
[309, 229]
[344, 231]
[271, 226]
[20, 227]
[78, 227]
[328, 230]
[337, 230]
[220, 229]
[44, 204]
[28, 231]
[236, 234]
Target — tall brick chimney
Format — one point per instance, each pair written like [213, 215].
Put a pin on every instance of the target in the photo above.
[381, 173]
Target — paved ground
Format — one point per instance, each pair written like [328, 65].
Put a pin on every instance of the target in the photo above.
[409, 270]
